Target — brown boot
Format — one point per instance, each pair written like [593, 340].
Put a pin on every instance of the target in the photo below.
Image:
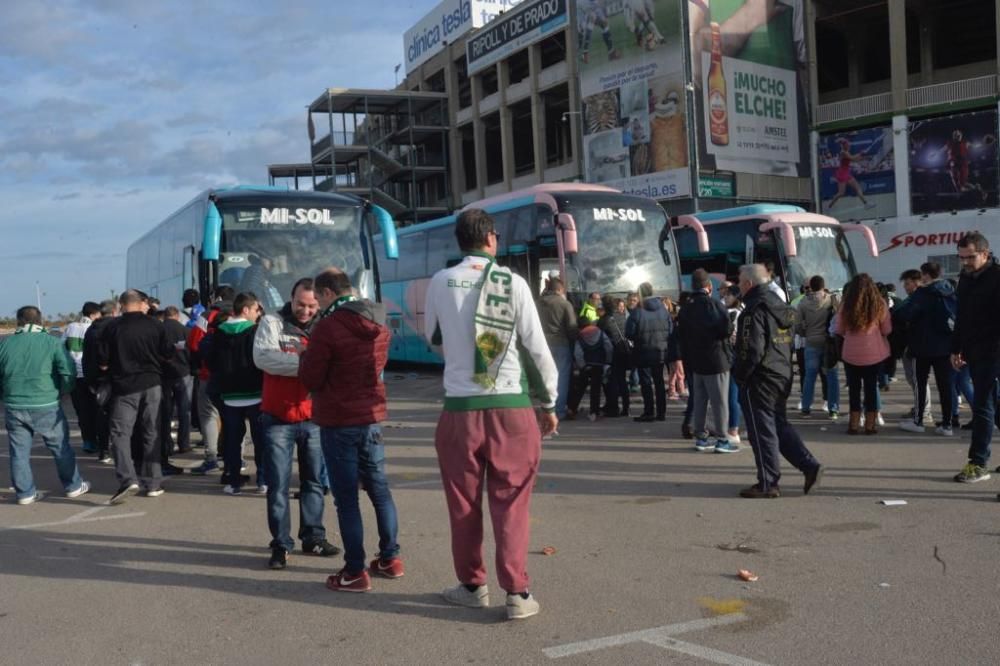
[854, 424]
[871, 423]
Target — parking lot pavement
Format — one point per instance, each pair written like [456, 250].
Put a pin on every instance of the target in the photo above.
[645, 537]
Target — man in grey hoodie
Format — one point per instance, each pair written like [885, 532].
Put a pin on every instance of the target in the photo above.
[814, 312]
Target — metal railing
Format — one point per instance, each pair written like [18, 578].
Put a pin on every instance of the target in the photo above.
[859, 107]
[954, 91]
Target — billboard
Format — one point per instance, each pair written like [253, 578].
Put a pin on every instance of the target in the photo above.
[448, 21]
[632, 89]
[857, 178]
[749, 63]
[953, 162]
[513, 31]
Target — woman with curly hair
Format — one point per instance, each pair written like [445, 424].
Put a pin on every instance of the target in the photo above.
[864, 323]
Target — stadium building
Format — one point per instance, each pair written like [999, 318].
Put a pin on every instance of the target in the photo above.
[879, 112]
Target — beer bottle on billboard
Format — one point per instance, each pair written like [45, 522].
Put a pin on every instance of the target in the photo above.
[718, 113]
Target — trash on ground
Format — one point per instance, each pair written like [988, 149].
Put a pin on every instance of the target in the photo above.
[747, 575]
[894, 502]
[548, 550]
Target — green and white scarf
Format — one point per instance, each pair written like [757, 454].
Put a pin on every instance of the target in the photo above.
[30, 328]
[494, 324]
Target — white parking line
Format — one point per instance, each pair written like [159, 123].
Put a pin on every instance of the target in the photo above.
[663, 637]
[82, 517]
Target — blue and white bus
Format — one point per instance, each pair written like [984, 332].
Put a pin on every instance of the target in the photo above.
[260, 239]
[597, 238]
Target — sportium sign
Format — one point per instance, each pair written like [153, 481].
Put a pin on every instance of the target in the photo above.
[444, 24]
[529, 24]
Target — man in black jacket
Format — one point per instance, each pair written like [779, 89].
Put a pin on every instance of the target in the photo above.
[177, 386]
[133, 350]
[98, 381]
[649, 327]
[704, 328]
[240, 383]
[763, 370]
[976, 341]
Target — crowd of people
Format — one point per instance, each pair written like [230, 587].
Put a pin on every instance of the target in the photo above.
[613, 347]
[306, 383]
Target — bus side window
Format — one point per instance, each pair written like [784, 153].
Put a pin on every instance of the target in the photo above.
[442, 246]
[412, 252]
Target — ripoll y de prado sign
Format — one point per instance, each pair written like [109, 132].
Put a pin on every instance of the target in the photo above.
[513, 31]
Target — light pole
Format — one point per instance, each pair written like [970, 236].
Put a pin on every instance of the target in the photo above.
[38, 296]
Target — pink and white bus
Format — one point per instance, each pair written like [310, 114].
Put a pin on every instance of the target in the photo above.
[597, 238]
[798, 244]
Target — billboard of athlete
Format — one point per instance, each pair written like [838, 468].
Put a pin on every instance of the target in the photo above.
[844, 177]
[953, 162]
[959, 149]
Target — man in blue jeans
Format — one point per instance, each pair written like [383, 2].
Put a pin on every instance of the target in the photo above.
[35, 371]
[976, 342]
[286, 410]
[348, 349]
[814, 312]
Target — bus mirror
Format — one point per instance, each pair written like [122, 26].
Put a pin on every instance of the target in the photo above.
[787, 235]
[567, 225]
[693, 223]
[388, 229]
[665, 244]
[867, 233]
[212, 238]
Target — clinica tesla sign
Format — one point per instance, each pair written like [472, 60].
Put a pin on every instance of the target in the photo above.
[317, 216]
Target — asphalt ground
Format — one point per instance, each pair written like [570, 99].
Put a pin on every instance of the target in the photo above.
[648, 537]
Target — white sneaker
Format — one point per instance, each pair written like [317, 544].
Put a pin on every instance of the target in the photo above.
[82, 490]
[156, 492]
[910, 426]
[881, 421]
[944, 431]
[25, 501]
[519, 608]
[460, 596]
[823, 408]
[734, 437]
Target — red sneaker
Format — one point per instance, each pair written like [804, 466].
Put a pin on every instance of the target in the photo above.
[387, 568]
[343, 581]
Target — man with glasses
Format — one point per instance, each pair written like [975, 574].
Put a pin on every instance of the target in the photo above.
[976, 342]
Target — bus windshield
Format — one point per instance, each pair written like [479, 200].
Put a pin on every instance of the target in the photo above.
[266, 250]
[619, 245]
[821, 250]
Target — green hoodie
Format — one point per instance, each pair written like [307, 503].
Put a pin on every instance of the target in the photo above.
[35, 369]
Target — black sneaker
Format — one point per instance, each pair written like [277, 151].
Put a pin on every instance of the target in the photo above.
[812, 478]
[967, 426]
[124, 492]
[645, 418]
[686, 431]
[322, 548]
[279, 559]
[169, 469]
[755, 492]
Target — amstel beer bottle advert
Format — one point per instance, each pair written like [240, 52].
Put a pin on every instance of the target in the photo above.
[748, 64]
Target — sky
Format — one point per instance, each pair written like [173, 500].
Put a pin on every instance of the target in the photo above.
[115, 113]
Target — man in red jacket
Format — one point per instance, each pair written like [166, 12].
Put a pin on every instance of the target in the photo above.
[286, 410]
[348, 349]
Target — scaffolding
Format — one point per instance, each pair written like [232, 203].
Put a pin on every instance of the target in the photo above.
[388, 146]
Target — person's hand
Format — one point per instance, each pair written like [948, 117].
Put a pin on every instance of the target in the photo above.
[547, 422]
[957, 361]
